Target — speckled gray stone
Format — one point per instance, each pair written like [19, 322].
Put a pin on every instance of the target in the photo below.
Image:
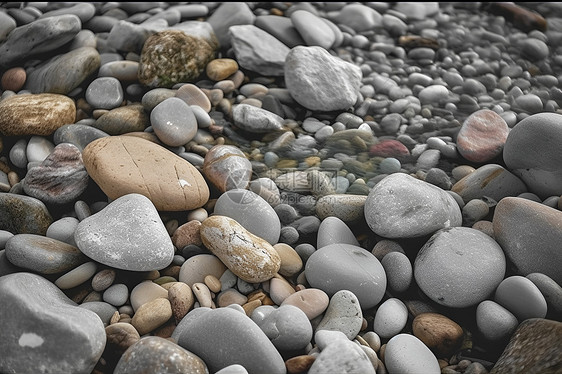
[287, 327]
[104, 93]
[342, 356]
[23, 214]
[343, 314]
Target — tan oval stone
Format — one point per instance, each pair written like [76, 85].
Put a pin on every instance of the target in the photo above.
[213, 283]
[299, 364]
[280, 289]
[291, 262]
[250, 306]
[248, 256]
[441, 334]
[38, 114]
[186, 234]
[196, 268]
[152, 315]
[221, 68]
[181, 300]
[312, 301]
[121, 165]
[203, 294]
[231, 296]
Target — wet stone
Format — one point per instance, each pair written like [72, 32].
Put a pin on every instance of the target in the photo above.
[120, 121]
[23, 214]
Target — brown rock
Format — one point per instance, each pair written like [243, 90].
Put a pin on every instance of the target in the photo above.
[482, 136]
[248, 256]
[312, 301]
[38, 114]
[122, 165]
[181, 300]
[534, 348]
[152, 315]
[221, 68]
[441, 334]
[291, 262]
[187, 234]
[14, 79]
[171, 56]
[122, 120]
[299, 364]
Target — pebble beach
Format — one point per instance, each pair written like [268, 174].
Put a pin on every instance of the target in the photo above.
[281, 187]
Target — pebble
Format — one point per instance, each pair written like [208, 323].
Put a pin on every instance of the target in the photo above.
[124, 71]
[64, 73]
[399, 271]
[147, 169]
[287, 326]
[256, 120]
[342, 356]
[492, 181]
[532, 154]
[181, 300]
[228, 239]
[187, 234]
[389, 212]
[196, 268]
[153, 353]
[13, 79]
[120, 336]
[122, 120]
[40, 36]
[281, 28]
[51, 111]
[226, 167]
[221, 68]
[173, 122]
[41, 254]
[7, 25]
[519, 226]
[367, 282]
[467, 261]
[343, 314]
[482, 136]
[76, 276]
[78, 134]
[60, 178]
[228, 15]
[145, 292]
[116, 294]
[128, 234]
[258, 51]
[359, 17]
[347, 207]
[533, 346]
[312, 301]
[407, 354]
[320, 81]
[63, 230]
[103, 279]
[333, 230]
[390, 318]
[24, 214]
[521, 297]
[151, 315]
[38, 149]
[104, 93]
[172, 56]
[495, 322]
[551, 291]
[224, 336]
[61, 330]
[291, 263]
[313, 29]
[440, 334]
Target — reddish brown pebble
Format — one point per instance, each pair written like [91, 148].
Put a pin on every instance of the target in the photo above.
[299, 364]
[441, 334]
[14, 79]
[389, 148]
[187, 234]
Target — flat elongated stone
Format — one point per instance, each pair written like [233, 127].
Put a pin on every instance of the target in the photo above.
[41, 254]
[40, 36]
[401, 206]
[60, 179]
[23, 214]
[122, 165]
[248, 256]
[256, 120]
[43, 330]
[122, 120]
[127, 234]
[77, 134]
[35, 114]
[257, 50]
[224, 336]
[64, 72]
